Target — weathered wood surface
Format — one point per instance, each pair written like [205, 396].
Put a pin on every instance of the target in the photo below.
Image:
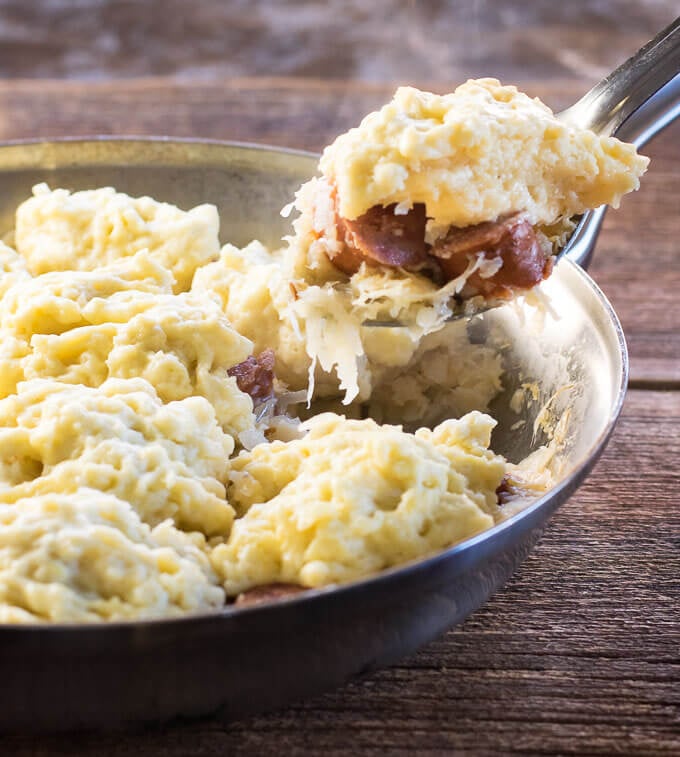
[390, 40]
[580, 652]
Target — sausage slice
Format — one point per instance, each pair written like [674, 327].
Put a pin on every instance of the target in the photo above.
[255, 376]
[380, 236]
[525, 261]
[267, 593]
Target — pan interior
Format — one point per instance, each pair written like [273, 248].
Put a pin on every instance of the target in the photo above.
[564, 371]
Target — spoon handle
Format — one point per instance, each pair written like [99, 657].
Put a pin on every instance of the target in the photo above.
[634, 102]
[659, 111]
[655, 68]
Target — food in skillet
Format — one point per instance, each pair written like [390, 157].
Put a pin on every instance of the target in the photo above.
[153, 461]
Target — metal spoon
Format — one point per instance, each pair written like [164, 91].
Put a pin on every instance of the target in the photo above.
[637, 100]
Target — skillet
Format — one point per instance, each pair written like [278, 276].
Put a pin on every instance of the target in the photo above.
[246, 659]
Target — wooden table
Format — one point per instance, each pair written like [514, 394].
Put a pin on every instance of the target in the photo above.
[579, 653]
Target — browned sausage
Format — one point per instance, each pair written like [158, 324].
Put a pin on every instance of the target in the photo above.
[380, 236]
[268, 593]
[255, 376]
[508, 490]
[525, 263]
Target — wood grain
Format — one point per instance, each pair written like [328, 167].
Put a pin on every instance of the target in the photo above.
[578, 654]
[352, 39]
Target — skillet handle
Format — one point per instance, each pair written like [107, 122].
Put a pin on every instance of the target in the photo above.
[655, 68]
[658, 112]
[634, 116]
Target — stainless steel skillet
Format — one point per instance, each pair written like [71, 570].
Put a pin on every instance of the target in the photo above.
[252, 659]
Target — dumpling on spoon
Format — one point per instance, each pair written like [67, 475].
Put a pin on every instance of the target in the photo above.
[479, 187]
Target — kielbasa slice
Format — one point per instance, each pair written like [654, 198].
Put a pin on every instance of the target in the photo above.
[268, 593]
[514, 240]
[380, 236]
[255, 376]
